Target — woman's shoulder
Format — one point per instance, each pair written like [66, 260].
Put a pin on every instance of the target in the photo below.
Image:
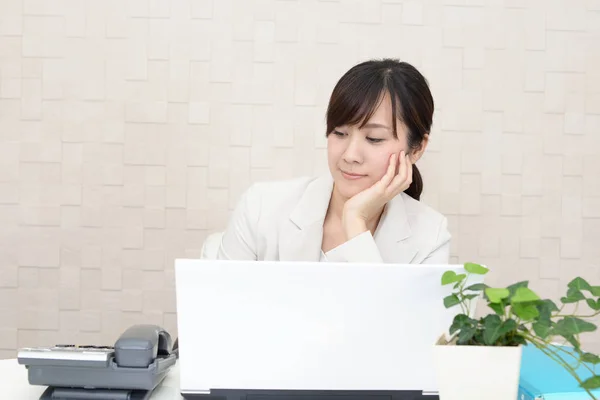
[282, 188]
[422, 217]
[277, 195]
[277, 186]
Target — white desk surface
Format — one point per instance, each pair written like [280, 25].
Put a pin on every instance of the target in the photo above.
[13, 379]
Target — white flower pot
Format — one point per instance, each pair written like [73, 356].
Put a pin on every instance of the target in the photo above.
[477, 372]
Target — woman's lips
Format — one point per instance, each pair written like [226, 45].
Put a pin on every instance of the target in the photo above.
[351, 176]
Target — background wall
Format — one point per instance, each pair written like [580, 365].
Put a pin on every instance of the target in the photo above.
[129, 129]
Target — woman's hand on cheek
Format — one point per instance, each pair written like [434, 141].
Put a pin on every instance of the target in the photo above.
[366, 205]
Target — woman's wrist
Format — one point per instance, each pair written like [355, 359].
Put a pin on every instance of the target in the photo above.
[353, 225]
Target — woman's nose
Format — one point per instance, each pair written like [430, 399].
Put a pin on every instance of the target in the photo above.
[352, 154]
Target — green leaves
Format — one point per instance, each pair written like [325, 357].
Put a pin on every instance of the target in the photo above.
[492, 325]
[523, 302]
[591, 383]
[580, 284]
[461, 321]
[594, 304]
[542, 329]
[518, 340]
[451, 301]
[466, 334]
[526, 312]
[573, 296]
[457, 323]
[476, 269]
[495, 328]
[573, 341]
[519, 316]
[571, 326]
[458, 281]
[451, 277]
[575, 292]
[523, 295]
[496, 295]
[513, 288]
[546, 308]
[543, 325]
[497, 307]
[590, 358]
[477, 287]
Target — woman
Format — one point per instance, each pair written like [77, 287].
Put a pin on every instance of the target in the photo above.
[367, 209]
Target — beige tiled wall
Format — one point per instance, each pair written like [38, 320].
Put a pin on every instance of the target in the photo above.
[129, 129]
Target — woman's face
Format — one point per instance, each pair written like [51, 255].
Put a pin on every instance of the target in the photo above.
[358, 158]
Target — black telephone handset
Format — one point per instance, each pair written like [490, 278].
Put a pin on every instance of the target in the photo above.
[140, 345]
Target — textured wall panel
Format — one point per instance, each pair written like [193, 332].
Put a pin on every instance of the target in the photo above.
[129, 130]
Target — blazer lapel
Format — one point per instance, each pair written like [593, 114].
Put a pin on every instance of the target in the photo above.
[301, 235]
[393, 234]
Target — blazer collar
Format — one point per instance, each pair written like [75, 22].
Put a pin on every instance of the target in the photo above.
[314, 202]
[305, 234]
[302, 233]
[394, 221]
[313, 205]
[393, 234]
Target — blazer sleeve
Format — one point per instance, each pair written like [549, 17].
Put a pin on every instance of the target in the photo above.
[440, 254]
[359, 249]
[362, 248]
[239, 241]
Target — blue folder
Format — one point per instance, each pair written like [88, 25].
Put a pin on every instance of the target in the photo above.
[544, 379]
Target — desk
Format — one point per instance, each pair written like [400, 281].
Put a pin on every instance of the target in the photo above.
[13, 379]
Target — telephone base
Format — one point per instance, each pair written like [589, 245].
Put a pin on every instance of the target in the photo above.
[62, 393]
[109, 375]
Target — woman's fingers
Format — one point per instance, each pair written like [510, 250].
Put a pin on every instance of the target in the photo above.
[390, 173]
[404, 177]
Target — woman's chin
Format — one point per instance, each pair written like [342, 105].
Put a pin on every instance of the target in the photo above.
[348, 189]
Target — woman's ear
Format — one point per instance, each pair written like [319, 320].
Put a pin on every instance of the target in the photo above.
[417, 153]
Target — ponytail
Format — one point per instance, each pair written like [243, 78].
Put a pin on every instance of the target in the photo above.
[416, 187]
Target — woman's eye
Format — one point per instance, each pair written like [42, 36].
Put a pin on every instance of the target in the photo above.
[338, 133]
[373, 140]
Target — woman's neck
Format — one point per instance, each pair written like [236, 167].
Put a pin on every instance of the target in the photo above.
[336, 205]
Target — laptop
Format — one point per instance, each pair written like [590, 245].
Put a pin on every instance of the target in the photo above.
[266, 330]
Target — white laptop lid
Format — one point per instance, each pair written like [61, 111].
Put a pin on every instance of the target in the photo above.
[309, 326]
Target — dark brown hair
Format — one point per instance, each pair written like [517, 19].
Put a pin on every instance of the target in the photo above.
[359, 92]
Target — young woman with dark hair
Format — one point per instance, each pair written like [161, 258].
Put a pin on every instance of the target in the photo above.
[367, 209]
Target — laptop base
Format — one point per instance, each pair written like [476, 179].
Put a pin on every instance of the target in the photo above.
[237, 394]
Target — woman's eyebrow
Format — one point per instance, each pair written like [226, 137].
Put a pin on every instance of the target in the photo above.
[376, 125]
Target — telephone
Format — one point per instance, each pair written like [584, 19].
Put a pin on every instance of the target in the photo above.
[131, 369]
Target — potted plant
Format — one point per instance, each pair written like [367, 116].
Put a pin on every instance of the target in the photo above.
[481, 358]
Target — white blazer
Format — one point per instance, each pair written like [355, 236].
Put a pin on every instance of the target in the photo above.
[283, 221]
